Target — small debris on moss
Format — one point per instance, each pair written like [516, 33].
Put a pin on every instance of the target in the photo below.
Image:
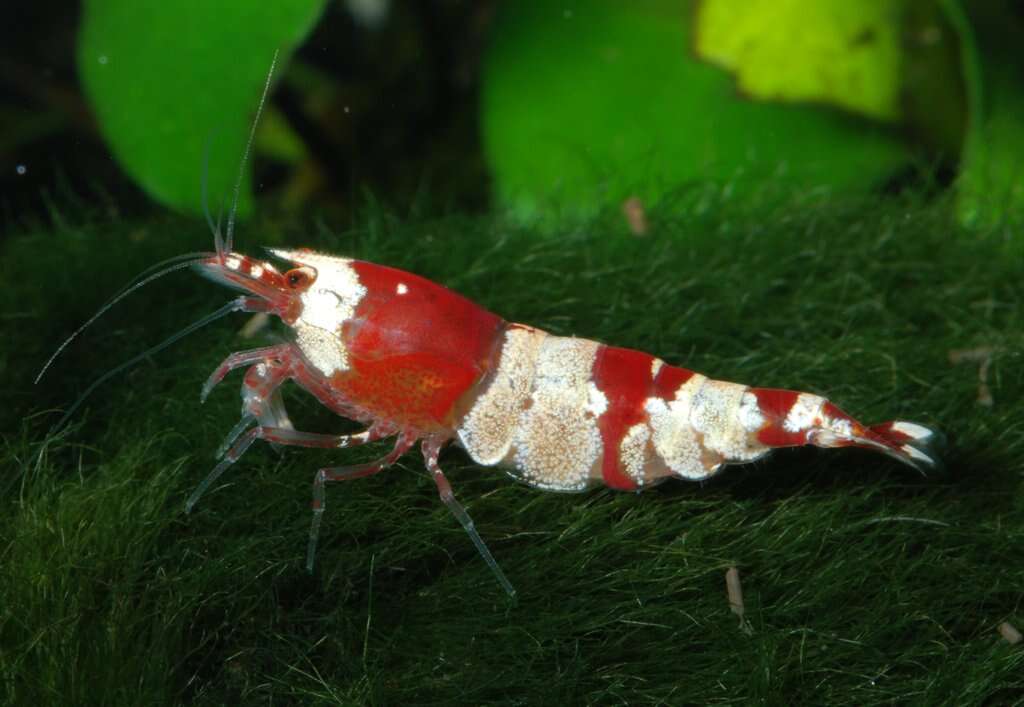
[983, 357]
[636, 216]
[1010, 633]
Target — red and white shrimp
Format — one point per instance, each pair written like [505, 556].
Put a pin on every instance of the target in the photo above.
[415, 361]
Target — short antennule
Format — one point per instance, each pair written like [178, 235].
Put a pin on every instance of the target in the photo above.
[218, 240]
[229, 232]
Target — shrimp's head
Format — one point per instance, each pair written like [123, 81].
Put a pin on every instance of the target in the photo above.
[318, 290]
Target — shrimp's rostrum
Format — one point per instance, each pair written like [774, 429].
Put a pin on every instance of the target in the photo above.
[415, 361]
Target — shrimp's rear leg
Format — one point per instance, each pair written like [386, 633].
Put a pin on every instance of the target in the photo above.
[431, 450]
[347, 473]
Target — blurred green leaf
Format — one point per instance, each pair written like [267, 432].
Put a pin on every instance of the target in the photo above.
[841, 52]
[991, 182]
[276, 138]
[934, 88]
[165, 77]
[588, 103]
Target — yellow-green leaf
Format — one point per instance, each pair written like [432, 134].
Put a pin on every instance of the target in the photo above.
[588, 103]
[841, 52]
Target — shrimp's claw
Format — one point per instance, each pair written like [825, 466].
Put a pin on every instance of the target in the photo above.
[243, 358]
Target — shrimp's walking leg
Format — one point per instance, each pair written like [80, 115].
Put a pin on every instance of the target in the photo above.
[243, 358]
[430, 453]
[261, 399]
[276, 435]
[346, 473]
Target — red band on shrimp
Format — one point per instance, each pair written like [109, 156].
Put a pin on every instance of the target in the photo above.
[775, 405]
[668, 380]
[624, 376]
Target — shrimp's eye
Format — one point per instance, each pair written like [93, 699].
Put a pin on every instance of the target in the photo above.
[300, 278]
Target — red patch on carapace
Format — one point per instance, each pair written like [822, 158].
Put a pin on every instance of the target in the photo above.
[775, 405]
[415, 348]
[413, 391]
[624, 376]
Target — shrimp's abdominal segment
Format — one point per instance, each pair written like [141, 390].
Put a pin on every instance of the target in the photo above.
[538, 413]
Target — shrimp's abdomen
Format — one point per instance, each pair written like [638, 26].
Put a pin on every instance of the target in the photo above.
[565, 414]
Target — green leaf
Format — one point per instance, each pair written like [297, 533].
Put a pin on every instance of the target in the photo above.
[165, 77]
[841, 52]
[588, 103]
[990, 189]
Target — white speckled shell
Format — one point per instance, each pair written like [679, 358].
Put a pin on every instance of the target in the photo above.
[537, 415]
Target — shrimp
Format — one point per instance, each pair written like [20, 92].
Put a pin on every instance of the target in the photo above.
[415, 361]
[412, 360]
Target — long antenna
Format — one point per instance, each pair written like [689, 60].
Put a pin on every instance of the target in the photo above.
[232, 306]
[230, 230]
[180, 262]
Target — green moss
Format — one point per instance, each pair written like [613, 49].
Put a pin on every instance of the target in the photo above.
[864, 583]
